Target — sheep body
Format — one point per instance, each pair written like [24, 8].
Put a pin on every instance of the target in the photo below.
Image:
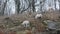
[50, 8]
[38, 16]
[26, 23]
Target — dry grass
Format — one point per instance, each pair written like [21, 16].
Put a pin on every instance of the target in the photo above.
[18, 19]
[52, 15]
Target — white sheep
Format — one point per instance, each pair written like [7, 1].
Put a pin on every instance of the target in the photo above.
[38, 16]
[50, 8]
[26, 23]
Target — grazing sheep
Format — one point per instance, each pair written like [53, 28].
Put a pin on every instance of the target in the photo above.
[26, 23]
[38, 16]
[50, 9]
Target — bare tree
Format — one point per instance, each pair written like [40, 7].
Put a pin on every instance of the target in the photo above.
[29, 5]
[59, 4]
[33, 5]
[3, 7]
[55, 3]
[17, 3]
[42, 2]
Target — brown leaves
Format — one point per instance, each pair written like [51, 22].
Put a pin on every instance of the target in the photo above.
[52, 15]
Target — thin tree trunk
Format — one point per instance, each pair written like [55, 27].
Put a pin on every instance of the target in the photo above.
[33, 5]
[55, 4]
[3, 8]
[17, 3]
[29, 6]
[59, 4]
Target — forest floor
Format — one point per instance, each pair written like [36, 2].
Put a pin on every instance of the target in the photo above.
[12, 24]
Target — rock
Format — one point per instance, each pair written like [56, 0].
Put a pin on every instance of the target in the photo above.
[52, 24]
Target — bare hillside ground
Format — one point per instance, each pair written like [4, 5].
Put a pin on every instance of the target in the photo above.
[52, 15]
[14, 22]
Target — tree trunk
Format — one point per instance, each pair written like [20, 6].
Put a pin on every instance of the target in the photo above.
[3, 8]
[55, 4]
[17, 3]
[59, 5]
[33, 5]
